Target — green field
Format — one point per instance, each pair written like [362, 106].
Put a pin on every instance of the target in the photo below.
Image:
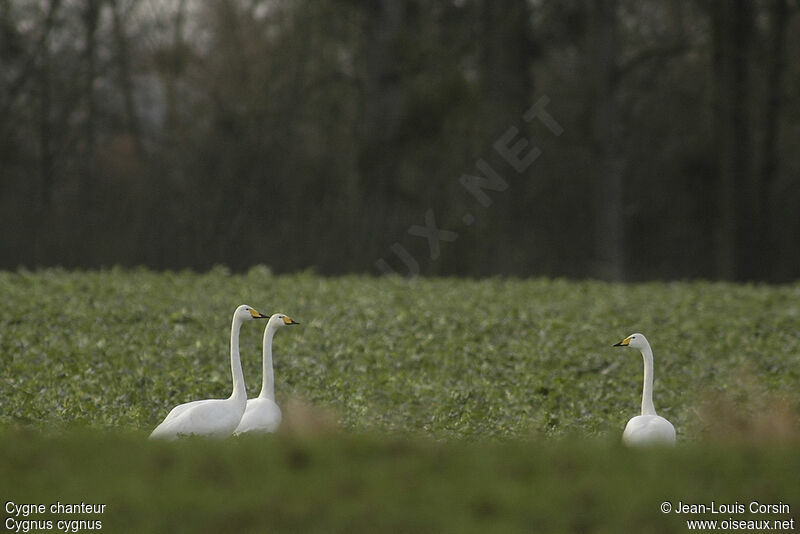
[427, 405]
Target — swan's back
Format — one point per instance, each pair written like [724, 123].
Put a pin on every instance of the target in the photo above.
[262, 415]
[179, 409]
[648, 430]
[216, 418]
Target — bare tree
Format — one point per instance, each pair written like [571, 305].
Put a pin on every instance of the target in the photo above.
[91, 14]
[125, 76]
[737, 233]
[505, 53]
[778, 12]
[608, 187]
[47, 150]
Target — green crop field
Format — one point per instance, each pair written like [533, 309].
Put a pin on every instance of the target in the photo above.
[427, 405]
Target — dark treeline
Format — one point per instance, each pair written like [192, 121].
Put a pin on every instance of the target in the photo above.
[616, 139]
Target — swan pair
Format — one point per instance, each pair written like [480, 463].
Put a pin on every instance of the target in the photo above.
[219, 418]
[648, 428]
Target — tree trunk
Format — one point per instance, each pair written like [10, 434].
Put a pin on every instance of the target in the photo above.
[609, 222]
[737, 232]
[90, 18]
[776, 57]
[172, 71]
[42, 205]
[125, 78]
[505, 58]
[382, 95]
[375, 206]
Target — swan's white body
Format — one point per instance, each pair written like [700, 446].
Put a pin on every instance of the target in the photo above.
[215, 418]
[263, 414]
[648, 428]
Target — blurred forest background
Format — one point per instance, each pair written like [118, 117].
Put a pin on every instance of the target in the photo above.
[317, 133]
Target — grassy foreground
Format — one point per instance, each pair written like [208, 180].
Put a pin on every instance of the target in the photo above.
[358, 484]
[436, 405]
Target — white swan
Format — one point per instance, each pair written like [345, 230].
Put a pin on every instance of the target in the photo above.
[648, 428]
[262, 413]
[213, 417]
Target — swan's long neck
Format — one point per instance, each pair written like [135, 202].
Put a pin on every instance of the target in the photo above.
[239, 389]
[647, 388]
[267, 378]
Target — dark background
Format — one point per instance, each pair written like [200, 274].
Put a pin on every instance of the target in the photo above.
[305, 133]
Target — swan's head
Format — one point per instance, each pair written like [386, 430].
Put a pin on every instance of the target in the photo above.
[280, 320]
[637, 341]
[246, 313]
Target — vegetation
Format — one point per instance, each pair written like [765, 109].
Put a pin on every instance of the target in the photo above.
[427, 405]
[449, 358]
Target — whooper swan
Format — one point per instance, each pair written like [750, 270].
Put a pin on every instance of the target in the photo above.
[263, 414]
[648, 428]
[213, 417]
